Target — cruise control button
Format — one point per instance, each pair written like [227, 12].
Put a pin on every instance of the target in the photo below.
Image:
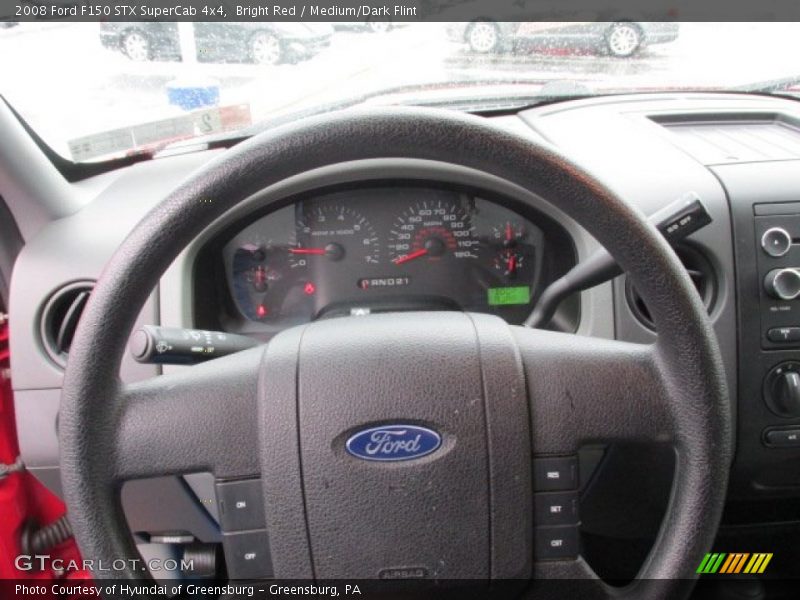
[247, 555]
[557, 473]
[556, 508]
[241, 505]
[552, 543]
[783, 335]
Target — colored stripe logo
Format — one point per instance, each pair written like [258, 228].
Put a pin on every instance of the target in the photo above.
[734, 562]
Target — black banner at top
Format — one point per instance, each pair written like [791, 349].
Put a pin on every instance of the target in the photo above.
[399, 10]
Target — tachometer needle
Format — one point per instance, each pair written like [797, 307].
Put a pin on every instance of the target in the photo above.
[307, 251]
[411, 256]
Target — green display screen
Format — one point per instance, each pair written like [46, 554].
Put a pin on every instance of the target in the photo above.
[520, 294]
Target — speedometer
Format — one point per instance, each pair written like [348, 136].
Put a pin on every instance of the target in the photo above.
[431, 231]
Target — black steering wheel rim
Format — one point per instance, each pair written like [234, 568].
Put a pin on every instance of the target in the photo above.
[686, 349]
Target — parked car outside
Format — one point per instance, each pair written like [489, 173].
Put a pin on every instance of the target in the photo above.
[620, 39]
[258, 42]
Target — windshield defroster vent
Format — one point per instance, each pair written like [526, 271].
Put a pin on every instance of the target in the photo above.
[60, 318]
[700, 272]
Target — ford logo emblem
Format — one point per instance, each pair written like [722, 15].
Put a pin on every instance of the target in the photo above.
[393, 443]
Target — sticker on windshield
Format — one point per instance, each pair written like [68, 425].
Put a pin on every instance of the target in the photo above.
[156, 135]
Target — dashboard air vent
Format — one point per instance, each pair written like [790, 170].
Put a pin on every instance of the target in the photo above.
[701, 273]
[60, 318]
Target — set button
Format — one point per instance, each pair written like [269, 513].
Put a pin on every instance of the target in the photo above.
[555, 508]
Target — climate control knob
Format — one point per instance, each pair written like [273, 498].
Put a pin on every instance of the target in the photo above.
[782, 389]
[783, 284]
[776, 241]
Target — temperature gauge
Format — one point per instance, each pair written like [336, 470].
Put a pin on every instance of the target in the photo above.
[509, 248]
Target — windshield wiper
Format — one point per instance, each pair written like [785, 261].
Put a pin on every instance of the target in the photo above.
[779, 87]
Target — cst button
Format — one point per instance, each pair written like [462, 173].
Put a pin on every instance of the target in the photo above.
[554, 474]
[553, 543]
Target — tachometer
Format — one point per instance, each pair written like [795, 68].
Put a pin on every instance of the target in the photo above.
[430, 231]
[333, 232]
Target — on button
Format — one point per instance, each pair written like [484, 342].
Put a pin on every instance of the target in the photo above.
[241, 505]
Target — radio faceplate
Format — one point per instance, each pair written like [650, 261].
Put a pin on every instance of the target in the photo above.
[777, 236]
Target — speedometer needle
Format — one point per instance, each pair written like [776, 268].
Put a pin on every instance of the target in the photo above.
[319, 251]
[411, 256]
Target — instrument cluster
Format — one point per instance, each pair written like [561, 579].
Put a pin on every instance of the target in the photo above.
[355, 252]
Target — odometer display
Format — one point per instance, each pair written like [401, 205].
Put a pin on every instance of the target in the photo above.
[505, 296]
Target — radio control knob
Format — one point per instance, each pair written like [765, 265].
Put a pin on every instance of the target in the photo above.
[776, 241]
[783, 284]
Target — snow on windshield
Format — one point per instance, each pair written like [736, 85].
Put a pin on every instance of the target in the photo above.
[97, 90]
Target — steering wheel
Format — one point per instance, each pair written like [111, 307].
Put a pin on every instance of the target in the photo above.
[499, 396]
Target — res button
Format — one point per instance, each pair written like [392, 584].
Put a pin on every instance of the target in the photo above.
[556, 473]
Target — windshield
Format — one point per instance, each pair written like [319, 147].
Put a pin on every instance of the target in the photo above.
[100, 90]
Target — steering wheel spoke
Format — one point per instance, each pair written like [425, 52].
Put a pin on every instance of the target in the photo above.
[584, 390]
[199, 419]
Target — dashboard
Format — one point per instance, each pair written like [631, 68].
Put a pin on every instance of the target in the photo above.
[380, 248]
[388, 244]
